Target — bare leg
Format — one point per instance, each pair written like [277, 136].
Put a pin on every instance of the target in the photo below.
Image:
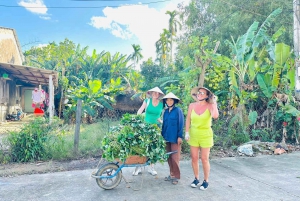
[205, 162]
[195, 160]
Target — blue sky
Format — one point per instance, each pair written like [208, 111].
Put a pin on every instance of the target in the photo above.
[111, 25]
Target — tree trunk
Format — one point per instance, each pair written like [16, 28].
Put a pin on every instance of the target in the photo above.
[61, 94]
[204, 66]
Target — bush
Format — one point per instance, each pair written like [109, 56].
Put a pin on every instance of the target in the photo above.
[29, 143]
[134, 137]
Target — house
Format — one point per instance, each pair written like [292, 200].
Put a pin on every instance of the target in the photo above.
[17, 81]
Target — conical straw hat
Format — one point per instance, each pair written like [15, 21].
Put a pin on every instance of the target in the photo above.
[171, 95]
[155, 89]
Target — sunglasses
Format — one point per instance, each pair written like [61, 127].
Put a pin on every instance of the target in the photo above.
[201, 93]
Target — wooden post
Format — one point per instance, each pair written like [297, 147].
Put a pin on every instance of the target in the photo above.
[51, 99]
[77, 127]
[296, 46]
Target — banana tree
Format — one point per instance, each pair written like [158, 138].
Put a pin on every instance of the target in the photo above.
[94, 95]
[248, 54]
[243, 62]
[279, 70]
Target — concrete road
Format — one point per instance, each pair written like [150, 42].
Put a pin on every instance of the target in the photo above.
[268, 178]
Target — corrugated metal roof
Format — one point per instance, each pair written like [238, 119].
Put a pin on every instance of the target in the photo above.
[29, 75]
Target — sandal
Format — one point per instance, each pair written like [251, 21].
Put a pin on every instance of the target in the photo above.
[168, 178]
[175, 181]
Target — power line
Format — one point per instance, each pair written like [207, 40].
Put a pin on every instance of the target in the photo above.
[67, 7]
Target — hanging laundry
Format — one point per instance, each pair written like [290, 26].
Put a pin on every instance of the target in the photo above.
[36, 97]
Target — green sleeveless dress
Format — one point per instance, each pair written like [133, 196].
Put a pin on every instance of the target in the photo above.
[153, 113]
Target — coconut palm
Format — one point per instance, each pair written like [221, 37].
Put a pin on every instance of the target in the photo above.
[136, 56]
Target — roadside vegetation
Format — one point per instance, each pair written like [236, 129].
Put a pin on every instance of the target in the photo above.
[39, 141]
[244, 54]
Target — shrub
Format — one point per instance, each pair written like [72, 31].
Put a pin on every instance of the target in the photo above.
[29, 143]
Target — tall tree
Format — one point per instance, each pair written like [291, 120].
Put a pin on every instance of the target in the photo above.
[60, 57]
[174, 25]
[163, 47]
[223, 19]
[136, 56]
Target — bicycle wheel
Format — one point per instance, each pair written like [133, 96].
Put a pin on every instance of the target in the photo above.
[108, 170]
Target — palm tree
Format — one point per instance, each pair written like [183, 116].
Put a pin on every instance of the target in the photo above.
[173, 25]
[163, 46]
[136, 56]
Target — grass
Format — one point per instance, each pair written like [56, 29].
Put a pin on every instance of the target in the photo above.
[61, 145]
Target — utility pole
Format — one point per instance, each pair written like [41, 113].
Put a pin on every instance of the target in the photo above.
[296, 8]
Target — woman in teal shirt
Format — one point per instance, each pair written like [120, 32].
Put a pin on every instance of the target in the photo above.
[153, 108]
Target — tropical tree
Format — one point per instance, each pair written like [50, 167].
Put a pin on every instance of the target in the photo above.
[221, 20]
[243, 59]
[136, 56]
[163, 47]
[174, 26]
[93, 96]
[151, 73]
[59, 57]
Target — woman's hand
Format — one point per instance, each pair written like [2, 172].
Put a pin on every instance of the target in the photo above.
[187, 136]
[215, 99]
[179, 140]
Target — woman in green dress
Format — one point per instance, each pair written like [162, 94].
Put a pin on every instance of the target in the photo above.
[153, 108]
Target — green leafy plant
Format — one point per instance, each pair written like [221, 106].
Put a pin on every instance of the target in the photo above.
[134, 137]
[29, 143]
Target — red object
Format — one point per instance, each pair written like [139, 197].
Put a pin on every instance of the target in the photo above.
[33, 105]
[298, 118]
[285, 123]
[38, 111]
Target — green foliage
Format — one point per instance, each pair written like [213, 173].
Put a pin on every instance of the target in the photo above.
[239, 136]
[185, 147]
[29, 143]
[252, 117]
[93, 96]
[264, 135]
[136, 56]
[134, 137]
[151, 73]
[4, 157]
[222, 20]
[221, 135]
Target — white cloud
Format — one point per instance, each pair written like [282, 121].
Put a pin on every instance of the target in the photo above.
[45, 17]
[138, 21]
[42, 45]
[34, 6]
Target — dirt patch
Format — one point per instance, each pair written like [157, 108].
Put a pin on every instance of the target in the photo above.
[14, 169]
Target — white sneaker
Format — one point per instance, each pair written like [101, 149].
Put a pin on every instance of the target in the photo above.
[152, 171]
[137, 171]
